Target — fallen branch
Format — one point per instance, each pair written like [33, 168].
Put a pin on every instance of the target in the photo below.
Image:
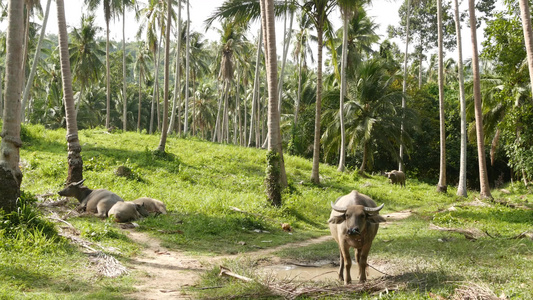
[471, 234]
[228, 272]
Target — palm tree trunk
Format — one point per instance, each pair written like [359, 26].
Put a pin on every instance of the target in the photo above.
[155, 95]
[75, 162]
[316, 146]
[483, 177]
[187, 64]
[140, 98]
[256, 86]
[286, 43]
[108, 79]
[35, 62]
[461, 187]
[342, 156]
[10, 174]
[404, 84]
[441, 186]
[528, 37]
[299, 95]
[163, 141]
[124, 91]
[216, 132]
[365, 158]
[178, 75]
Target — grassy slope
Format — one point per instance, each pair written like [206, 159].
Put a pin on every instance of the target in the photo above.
[199, 181]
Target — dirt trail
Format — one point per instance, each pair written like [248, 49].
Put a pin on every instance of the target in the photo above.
[164, 272]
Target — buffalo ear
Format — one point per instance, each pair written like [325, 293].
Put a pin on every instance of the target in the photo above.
[376, 219]
[337, 219]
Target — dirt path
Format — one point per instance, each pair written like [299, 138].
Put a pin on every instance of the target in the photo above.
[164, 272]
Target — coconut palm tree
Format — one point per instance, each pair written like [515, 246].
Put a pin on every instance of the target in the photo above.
[141, 68]
[177, 77]
[441, 185]
[461, 187]
[10, 174]
[275, 155]
[29, 83]
[483, 176]
[111, 9]
[528, 36]
[318, 10]
[163, 141]
[125, 5]
[85, 52]
[75, 162]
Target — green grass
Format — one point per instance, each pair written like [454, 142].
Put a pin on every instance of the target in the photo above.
[200, 182]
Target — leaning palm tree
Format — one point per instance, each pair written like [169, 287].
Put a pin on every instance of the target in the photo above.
[111, 9]
[10, 174]
[528, 36]
[29, 83]
[75, 162]
[483, 176]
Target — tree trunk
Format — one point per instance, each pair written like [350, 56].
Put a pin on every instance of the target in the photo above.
[441, 186]
[256, 86]
[187, 71]
[75, 162]
[177, 89]
[461, 187]
[140, 98]
[217, 131]
[274, 157]
[483, 177]
[155, 95]
[286, 42]
[342, 156]
[26, 94]
[124, 75]
[10, 174]
[404, 84]
[315, 177]
[163, 140]
[528, 37]
[108, 80]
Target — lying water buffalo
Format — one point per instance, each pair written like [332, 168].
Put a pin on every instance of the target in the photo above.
[396, 177]
[152, 205]
[127, 211]
[354, 222]
[97, 201]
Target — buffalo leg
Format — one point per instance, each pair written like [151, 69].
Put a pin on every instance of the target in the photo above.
[341, 266]
[362, 256]
[345, 253]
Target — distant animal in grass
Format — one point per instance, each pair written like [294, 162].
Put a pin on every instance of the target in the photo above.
[396, 177]
[152, 205]
[353, 223]
[97, 201]
[127, 211]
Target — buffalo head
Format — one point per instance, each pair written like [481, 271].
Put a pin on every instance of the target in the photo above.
[356, 217]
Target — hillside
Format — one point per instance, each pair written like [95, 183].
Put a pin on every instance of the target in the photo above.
[446, 242]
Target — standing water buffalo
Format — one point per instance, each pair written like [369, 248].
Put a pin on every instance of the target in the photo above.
[95, 201]
[396, 177]
[354, 222]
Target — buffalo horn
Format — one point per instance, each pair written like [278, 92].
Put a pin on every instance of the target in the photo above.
[337, 208]
[80, 182]
[373, 209]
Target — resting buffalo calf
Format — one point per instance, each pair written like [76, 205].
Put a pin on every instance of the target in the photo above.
[152, 205]
[95, 201]
[354, 222]
[127, 211]
[396, 177]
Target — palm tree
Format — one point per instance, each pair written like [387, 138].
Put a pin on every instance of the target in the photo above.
[404, 84]
[10, 174]
[75, 162]
[318, 10]
[528, 36]
[177, 77]
[85, 52]
[163, 141]
[483, 176]
[125, 5]
[461, 187]
[347, 8]
[141, 67]
[275, 155]
[441, 185]
[187, 65]
[29, 83]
